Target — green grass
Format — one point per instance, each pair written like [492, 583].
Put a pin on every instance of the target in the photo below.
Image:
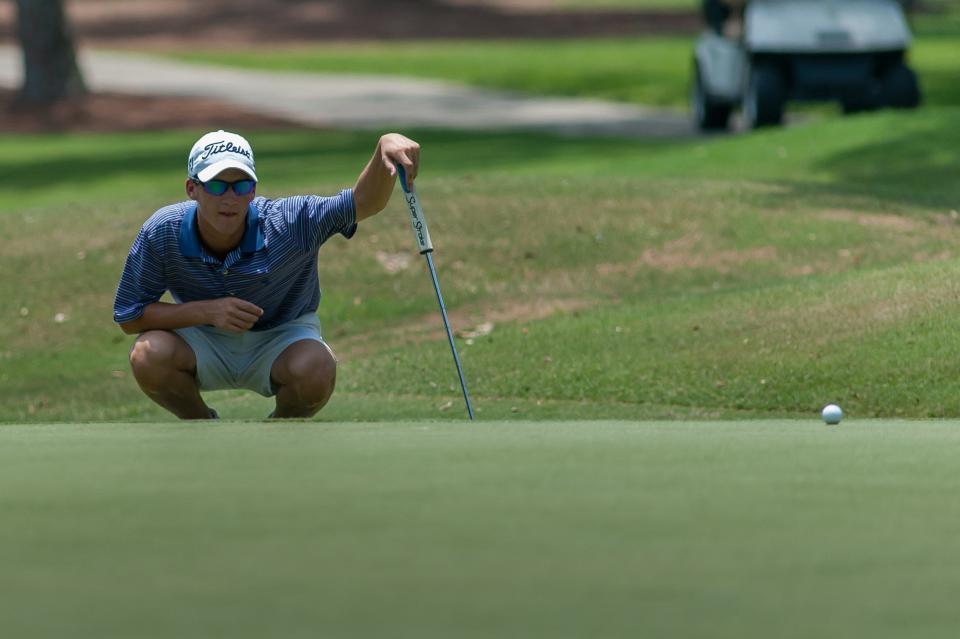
[434, 529]
[746, 278]
[934, 58]
[762, 274]
[644, 70]
[649, 71]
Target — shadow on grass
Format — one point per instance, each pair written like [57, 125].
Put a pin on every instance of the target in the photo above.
[26, 164]
[451, 152]
[890, 161]
[915, 167]
[295, 155]
[912, 161]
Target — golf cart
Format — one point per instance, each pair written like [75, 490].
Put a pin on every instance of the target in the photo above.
[759, 54]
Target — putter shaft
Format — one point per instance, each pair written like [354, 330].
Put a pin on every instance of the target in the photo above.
[422, 236]
[446, 324]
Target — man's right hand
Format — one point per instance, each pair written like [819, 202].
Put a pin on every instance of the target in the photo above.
[232, 314]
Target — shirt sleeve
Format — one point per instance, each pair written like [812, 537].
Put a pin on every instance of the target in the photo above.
[313, 219]
[143, 281]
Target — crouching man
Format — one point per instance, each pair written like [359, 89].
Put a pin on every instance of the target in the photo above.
[242, 271]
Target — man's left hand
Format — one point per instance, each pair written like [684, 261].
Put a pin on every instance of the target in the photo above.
[399, 149]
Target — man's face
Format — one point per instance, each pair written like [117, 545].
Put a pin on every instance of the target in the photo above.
[225, 214]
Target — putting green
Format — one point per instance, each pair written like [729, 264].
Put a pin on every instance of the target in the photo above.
[450, 529]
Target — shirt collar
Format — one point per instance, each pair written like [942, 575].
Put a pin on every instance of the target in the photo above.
[190, 245]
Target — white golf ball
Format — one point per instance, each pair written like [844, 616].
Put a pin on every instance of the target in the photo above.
[832, 414]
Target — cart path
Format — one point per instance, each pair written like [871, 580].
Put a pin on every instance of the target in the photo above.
[362, 101]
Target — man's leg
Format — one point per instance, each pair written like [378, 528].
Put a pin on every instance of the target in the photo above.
[304, 375]
[165, 367]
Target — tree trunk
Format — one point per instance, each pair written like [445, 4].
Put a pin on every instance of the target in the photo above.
[49, 59]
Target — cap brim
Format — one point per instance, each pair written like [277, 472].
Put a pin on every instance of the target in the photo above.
[215, 169]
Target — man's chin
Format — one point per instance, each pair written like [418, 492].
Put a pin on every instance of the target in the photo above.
[227, 226]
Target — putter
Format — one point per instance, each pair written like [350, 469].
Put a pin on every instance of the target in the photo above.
[422, 236]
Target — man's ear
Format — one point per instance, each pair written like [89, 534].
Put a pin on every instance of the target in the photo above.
[191, 188]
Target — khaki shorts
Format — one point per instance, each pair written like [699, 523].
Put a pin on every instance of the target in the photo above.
[230, 360]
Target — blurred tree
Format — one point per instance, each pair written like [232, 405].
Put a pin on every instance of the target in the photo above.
[50, 62]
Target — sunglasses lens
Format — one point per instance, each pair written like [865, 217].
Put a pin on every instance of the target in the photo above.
[215, 187]
[243, 187]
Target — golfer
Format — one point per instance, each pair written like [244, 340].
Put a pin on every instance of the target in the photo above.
[242, 270]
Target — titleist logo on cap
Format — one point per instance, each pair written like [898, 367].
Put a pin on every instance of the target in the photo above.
[223, 147]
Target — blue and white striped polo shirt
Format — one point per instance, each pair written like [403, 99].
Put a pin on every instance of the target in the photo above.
[274, 266]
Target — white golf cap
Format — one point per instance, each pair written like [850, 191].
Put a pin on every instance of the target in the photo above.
[217, 151]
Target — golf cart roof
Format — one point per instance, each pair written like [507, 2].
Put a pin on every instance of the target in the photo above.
[825, 26]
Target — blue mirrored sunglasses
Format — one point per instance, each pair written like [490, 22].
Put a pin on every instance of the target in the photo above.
[219, 187]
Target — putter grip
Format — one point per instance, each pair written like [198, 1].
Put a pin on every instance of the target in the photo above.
[419, 223]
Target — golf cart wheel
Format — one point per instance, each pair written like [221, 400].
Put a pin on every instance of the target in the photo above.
[854, 105]
[765, 96]
[708, 114]
[858, 100]
[900, 88]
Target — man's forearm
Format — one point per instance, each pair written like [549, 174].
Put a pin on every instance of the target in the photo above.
[164, 316]
[373, 188]
[375, 184]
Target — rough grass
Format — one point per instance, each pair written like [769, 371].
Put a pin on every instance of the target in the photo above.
[545, 246]
[877, 342]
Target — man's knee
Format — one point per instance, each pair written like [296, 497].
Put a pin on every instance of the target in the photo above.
[317, 376]
[311, 371]
[158, 352]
